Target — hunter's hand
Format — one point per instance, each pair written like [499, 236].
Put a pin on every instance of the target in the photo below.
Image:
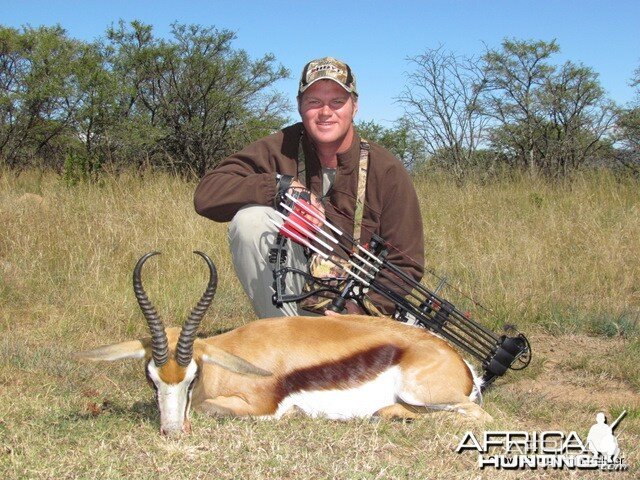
[315, 203]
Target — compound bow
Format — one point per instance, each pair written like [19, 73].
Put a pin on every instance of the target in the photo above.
[364, 269]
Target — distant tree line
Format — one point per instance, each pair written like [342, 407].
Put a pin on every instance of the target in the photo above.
[514, 107]
[131, 98]
[184, 103]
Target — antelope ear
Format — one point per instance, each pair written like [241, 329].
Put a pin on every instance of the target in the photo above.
[231, 362]
[117, 351]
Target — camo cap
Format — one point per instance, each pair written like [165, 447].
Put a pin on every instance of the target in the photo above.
[327, 68]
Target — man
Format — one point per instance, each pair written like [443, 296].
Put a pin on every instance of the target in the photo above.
[323, 154]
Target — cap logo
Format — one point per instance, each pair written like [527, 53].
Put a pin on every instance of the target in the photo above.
[324, 67]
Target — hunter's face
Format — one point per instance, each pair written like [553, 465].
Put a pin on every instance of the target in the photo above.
[327, 112]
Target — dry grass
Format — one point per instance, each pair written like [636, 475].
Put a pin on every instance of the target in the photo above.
[561, 262]
[565, 256]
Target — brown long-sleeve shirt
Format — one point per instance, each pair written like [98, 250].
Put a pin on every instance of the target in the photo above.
[391, 204]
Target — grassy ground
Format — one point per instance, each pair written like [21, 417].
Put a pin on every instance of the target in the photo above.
[561, 262]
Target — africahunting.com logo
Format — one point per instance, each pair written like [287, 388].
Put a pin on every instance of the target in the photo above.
[513, 450]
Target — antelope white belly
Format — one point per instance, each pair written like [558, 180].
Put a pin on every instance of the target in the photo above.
[361, 401]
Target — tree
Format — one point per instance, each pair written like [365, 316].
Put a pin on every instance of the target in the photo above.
[132, 99]
[198, 97]
[579, 117]
[549, 119]
[399, 140]
[37, 107]
[628, 130]
[514, 76]
[442, 106]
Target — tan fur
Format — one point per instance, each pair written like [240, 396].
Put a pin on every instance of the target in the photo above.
[171, 373]
[243, 372]
[404, 411]
[286, 344]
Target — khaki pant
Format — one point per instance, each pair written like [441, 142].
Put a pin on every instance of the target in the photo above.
[251, 236]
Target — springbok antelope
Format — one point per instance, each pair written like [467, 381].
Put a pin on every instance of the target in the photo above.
[337, 367]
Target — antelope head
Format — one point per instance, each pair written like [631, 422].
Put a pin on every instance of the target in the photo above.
[171, 368]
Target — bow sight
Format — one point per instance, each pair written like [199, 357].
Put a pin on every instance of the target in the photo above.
[365, 266]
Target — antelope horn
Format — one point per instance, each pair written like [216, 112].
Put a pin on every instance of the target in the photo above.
[184, 349]
[159, 343]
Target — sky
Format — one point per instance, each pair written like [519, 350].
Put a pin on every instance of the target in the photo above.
[374, 37]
